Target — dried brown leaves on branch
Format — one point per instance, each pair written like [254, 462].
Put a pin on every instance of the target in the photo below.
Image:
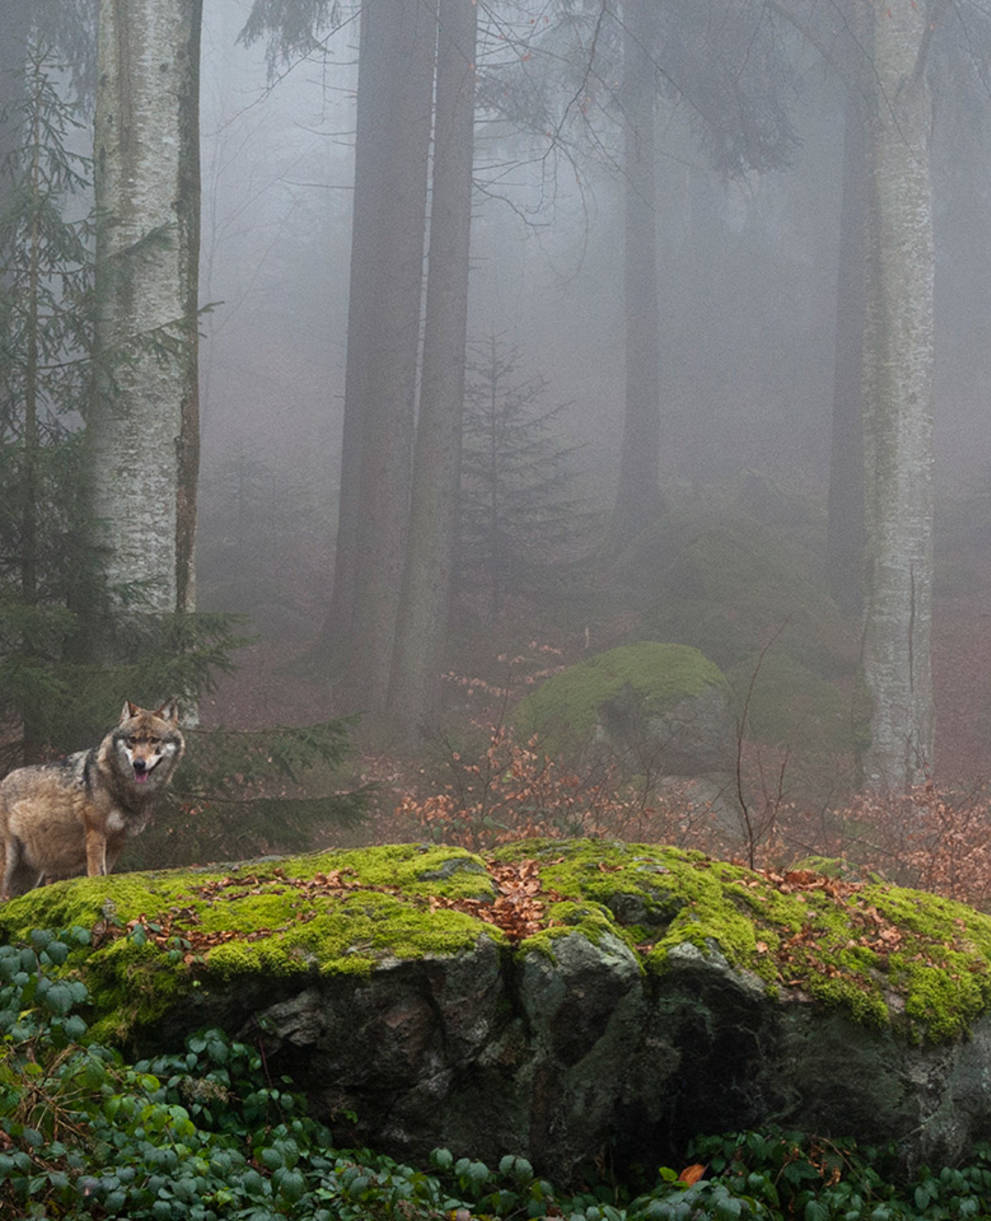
[514, 791]
[929, 838]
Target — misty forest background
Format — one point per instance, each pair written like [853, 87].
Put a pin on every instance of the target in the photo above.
[709, 366]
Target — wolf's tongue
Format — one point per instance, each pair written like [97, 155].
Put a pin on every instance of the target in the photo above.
[140, 777]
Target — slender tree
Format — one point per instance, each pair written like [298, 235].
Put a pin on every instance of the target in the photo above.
[142, 429]
[423, 617]
[521, 501]
[65, 27]
[638, 494]
[15, 33]
[845, 535]
[898, 394]
[395, 99]
[618, 61]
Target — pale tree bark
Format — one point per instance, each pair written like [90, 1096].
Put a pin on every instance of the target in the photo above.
[142, 429]
[898, 390]
[638, 495]
[384, 325]
[845, 535]
[423, 616]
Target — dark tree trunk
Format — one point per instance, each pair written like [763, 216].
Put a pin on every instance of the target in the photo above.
[846, 468]
[370, 186]
[638, 495]
[423, 616]
[388, 258]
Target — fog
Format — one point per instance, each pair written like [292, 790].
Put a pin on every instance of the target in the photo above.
[747, 272]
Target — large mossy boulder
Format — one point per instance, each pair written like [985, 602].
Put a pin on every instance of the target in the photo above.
[566, 1001]
[729, 573]
[741, 577]
[665, 707]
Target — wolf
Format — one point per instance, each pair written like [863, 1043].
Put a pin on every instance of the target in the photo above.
[74, 815]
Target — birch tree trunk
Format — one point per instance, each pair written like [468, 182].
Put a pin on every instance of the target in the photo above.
[898, 389]
[424, 608]
[142, 428]
[638, 494]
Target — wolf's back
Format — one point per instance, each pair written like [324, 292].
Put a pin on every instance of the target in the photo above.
[46, 782]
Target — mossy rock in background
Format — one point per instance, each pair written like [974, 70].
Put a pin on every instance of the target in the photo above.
[728, 583]
[785, 702]
[663, 706]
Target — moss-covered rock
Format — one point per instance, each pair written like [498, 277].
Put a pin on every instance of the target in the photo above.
[660, 705]
[161, 937]
[726, 579]
[559, 999]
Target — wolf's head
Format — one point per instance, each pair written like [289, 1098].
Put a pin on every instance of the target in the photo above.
[148, 745]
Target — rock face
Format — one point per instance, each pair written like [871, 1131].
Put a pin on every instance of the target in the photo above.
[581, 1057]
[642, 996]
[659, 706]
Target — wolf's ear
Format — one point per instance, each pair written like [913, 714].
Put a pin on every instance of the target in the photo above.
[128, 711]
[169, 711]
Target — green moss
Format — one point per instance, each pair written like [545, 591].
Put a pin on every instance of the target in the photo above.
[942, 963]
[84, 901]
[787, 702]
[319, 913]
[879, 953]
[592, 920]
[564, 709]
[350, 939]
[720, 581]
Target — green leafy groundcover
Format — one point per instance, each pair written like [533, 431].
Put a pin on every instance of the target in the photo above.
[207, 1133]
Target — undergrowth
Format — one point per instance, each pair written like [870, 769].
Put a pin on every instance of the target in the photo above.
[504, 790]
[208, 1133]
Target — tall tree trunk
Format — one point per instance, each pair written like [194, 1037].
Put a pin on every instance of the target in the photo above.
[638, 496]
[845, 543]
[898, 388]
[188, 208]
[142, 426]
[367, 234]
[423, 614]
[387, 255]
[30, 507]
[29, 491]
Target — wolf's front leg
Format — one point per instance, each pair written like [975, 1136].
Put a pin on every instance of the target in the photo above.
[96, 852]
[8, 863]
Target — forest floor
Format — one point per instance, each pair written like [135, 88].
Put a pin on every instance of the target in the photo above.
[268, 687]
